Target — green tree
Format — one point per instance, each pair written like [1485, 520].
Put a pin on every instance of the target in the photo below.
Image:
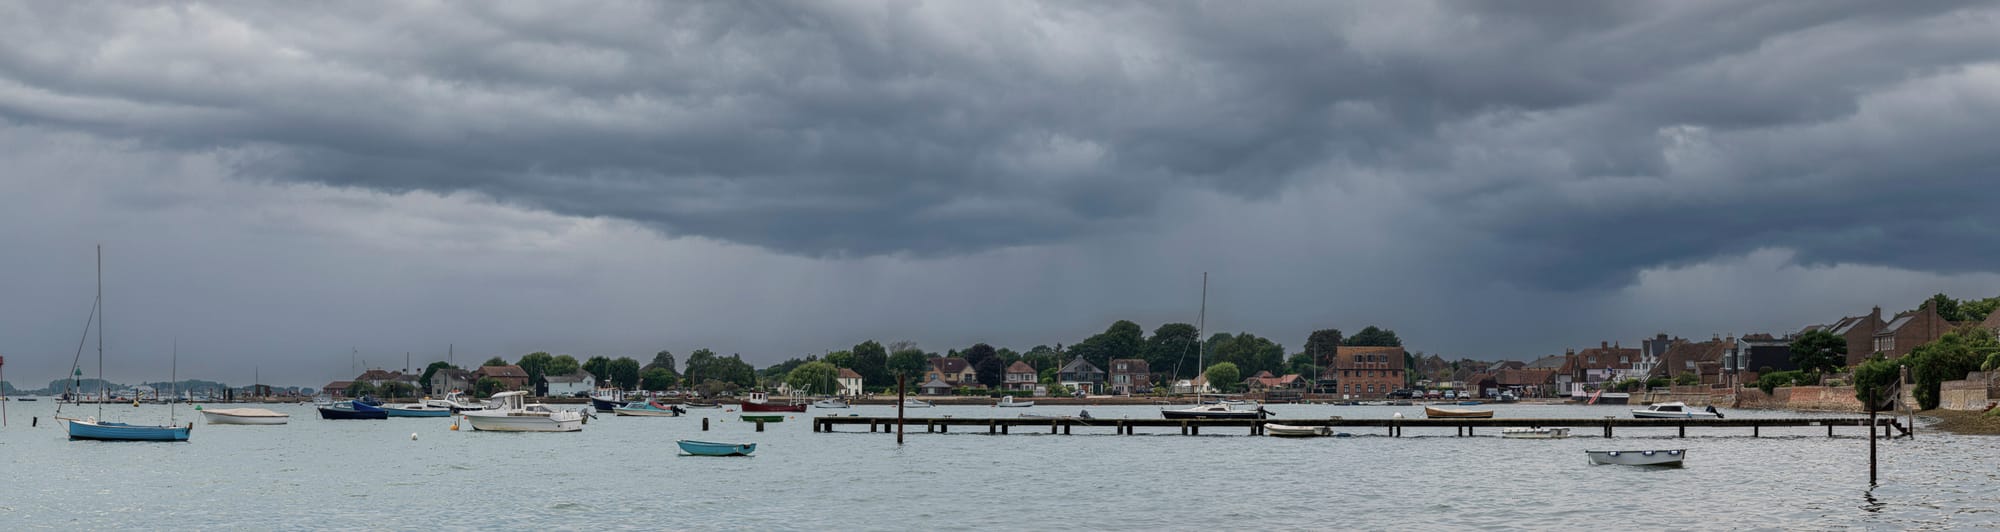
[979, 352]
[1949, 358]
[656, 379]
[816, 377]
[1044, 358]
[1978, 309]
[360, 389]
[1687, 378]
[840, 359]
[563, 365]
[396, 389]
[700, 364]
[1376, 337]
[1875, 382]
[624, 372]
[1248, 352]
[495, 361]
[599, 368]
[537, 366]
[1170, 346]
[664, 360]
[487, 386]
[1304, 365]
[432, 369]
[1122, 340]
[991, 372]
[1224, 377]
[1323, 345]
[871, 361]
[1946, 307]
[910, 363]
[1819, 351]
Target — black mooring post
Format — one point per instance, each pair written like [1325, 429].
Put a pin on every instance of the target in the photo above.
[1871, 445]
[899, 408]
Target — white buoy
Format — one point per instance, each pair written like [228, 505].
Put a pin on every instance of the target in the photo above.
[413, 436]
[1399, 415]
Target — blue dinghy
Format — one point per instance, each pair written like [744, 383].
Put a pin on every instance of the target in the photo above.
[91, 429]
[709, 448]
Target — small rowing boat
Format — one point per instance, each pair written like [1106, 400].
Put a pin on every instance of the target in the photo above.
[709, 448]
[1456, 413]
[767, 418]
[1669, 457]
[244, 416]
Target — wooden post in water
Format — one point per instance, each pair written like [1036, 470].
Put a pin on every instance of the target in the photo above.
[1871, 445]
[760, 426]
[899, 409]
[704, 424]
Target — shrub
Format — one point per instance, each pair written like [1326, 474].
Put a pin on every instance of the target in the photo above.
[1874, 380]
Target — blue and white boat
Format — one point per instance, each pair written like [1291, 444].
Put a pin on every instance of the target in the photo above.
[352, 410]
[647, 408]
[607, 400]
[92, 429]
[416, 410]
[709, 448]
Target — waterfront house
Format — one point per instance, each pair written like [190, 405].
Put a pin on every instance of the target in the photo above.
[1748, 357]
[379, 378]
[1367, 371]
[1650, 351]
[1592, 367]
[447, 380]
[934, 384]
[1909, 330]
[1129, 376]
[1080, 374]
[1020, 377]
[1198, 384]
[1703, 359]
[1266, 383]
[954, 371]
[337, 389]
[1859, 331]
[511, 377]
[850, 383]
[568, 385]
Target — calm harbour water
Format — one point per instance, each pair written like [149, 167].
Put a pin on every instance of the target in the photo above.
[626, 473]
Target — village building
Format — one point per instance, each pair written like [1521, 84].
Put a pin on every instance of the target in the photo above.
[1702, 359]
[1129, 376]
[447, 380]
[1858, 331]
[934, 384]
[1755, 354]
[1367, 371]
[1080, 374]
[1196, 385]
[954, 371]
[1992, 322]
[511, 377]
[1588, 369]
[336, 389]
[1020, 377]
[850, 383]
[1908, 330]
[578, 384]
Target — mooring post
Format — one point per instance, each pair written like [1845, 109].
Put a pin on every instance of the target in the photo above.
[1003, 429]
[760, 426]
[900, 380]
[992, 426]
[1065, 429]
[1753, 431]
[1184, 431]
[1684, 430]
[1196, 429]
[1468, 431]
[1052, 426]
[704, 424]
[1871, 445]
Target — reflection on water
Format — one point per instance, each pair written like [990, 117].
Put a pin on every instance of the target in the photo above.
[626, 471]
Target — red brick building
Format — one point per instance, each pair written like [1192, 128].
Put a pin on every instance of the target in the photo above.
[1366, 371]
[1859, 331]
[511, 377]
[1907, 331]
[1130, 376]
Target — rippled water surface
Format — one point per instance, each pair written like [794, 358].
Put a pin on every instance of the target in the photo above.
[626, 473]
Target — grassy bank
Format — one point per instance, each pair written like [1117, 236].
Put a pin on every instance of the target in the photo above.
[1963, 422]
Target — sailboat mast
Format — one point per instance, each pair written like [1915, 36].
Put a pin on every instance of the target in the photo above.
[101, 389]
[1201, 347]
[174, 372]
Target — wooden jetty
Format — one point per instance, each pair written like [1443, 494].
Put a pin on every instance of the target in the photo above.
[1391, 427]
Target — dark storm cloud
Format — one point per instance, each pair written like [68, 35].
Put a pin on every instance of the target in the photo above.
[1567, 145]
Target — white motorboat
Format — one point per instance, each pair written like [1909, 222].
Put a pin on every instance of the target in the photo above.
[1669, 457]
[830, 403]
[1537, 433]
[511, 414]
[1215, 411]
[455, 402]
[1295, 431]
[1675, 410]
[1009, 402]
[244, 416]
[913, 403]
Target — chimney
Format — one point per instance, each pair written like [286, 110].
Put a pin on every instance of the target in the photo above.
[1602, 345]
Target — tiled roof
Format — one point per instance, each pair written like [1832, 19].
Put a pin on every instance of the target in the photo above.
[1132, 365]
[509, 370]
[1368, 357]
[1709, 352]
[846, 373]
[1992, 321]
[949, 364]
[1020, 367]
[1079, 365]
[568, 379]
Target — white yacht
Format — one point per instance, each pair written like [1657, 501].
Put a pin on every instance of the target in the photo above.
[1675, 410]
[509, 413]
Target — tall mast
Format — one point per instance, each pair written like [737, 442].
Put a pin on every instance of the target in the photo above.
[1201, 347]
[174, 372]
[101, 389]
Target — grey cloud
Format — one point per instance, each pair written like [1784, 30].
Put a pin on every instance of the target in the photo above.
[1545, 131]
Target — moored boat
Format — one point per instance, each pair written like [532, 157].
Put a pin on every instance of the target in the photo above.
[1668, 457]
[351, 410]
[92, 429]
[1295, 431]
[1456, 413]
[1215, 411]
[607, 400]
[1675, 410]
[758, 402]
[244, 416]
[1536, 433]
[1009, 402]
[709, 448]
[512, 414]
[830, 403]
[766, 418]
[455, 402]
[699, 404]
[1085, 414]
[416, 410]
[913, 403]
[647, 409]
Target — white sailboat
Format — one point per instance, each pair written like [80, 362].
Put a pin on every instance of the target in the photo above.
[1220, 410]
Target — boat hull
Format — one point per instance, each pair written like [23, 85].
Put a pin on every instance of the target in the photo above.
[834, 404]
[234, 417]
[764, 418]
[1648, 414]
[106, 431]
[342, 413]
[1669, 457]
[1294, 431]
[1446, 413]
[404, 412]
[768, 407]
[605, 406]
[1535, 434]
[1245, 414]
[522, 423]
[704, 448]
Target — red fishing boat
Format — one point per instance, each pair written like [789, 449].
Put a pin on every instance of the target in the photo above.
[758, 402]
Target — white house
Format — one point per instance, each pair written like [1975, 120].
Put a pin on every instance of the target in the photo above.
[571, 384]
[850, 383]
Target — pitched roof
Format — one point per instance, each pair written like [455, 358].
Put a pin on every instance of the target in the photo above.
[1524, 377]
[1604, 356]
[935, 382]
[950, 364]
[452, 373]
[1132, 365]
[382, 375]
[1683, 352]
[846, 373]
[572, 378]
[1547, 362]
[1902, 318]
[337, 385]
[1020, 367]
[1079, 365]
[509, 370]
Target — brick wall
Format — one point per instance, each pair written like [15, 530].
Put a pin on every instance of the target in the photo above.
[1967, 394]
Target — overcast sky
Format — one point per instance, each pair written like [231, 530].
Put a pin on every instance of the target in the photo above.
[275, 185]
